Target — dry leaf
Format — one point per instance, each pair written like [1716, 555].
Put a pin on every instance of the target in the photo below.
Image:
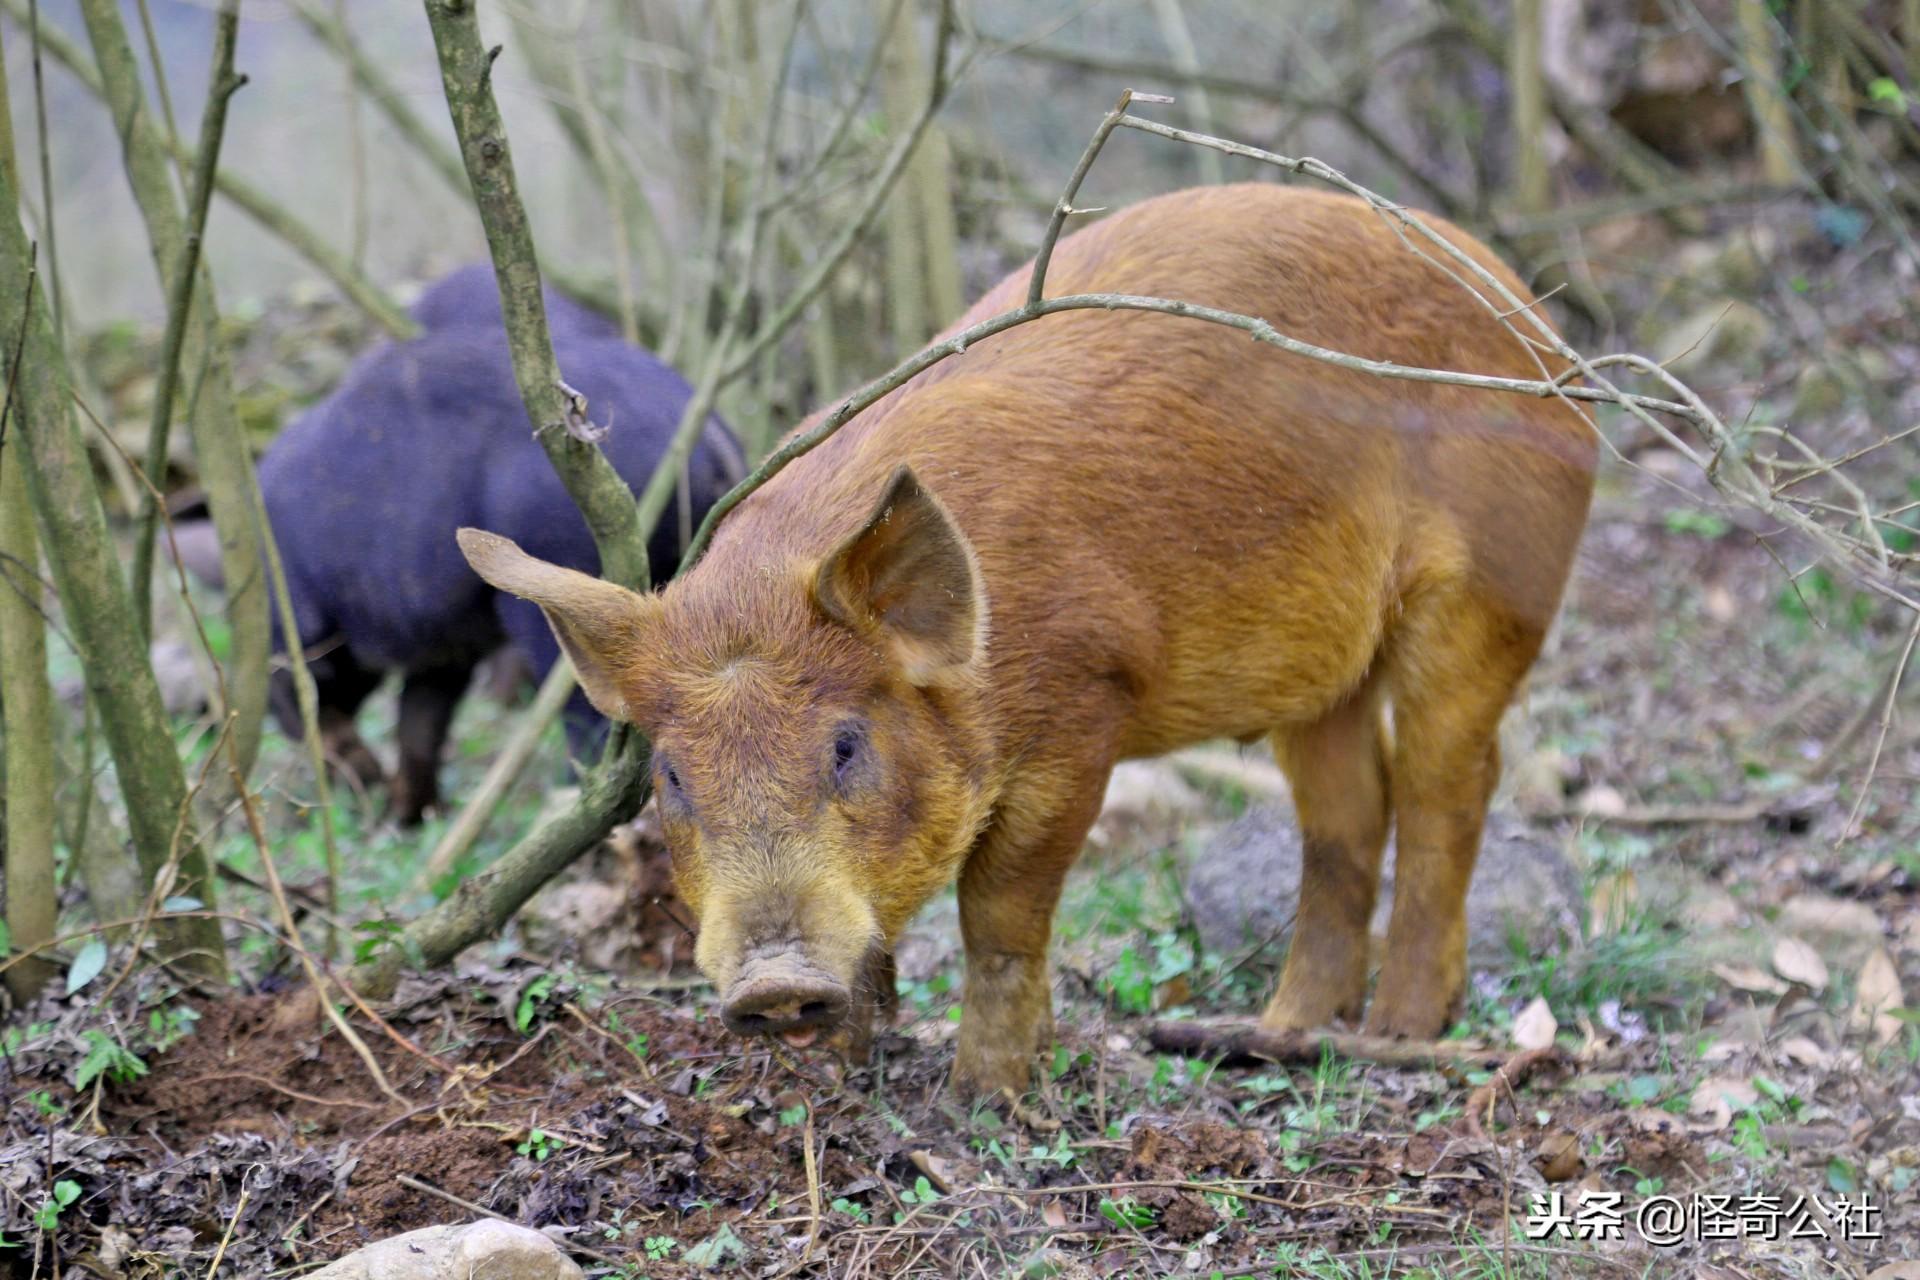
[1653, 1120]
[1820, 913]
[1797, 961]
[1804, 1051]
[1877, 992]
[1718, 1097]
[1896, 1271]
[1054, 1214]
[939, 1171]
[1558, 1157]
[1610, 906]
[1746, 977]
[1536, 1025]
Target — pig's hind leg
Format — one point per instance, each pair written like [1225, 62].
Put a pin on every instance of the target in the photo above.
[1453, 667]
[427, 703]
[1337, 769]
[340, 685]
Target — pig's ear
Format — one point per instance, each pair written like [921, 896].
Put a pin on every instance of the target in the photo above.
[909, 577]
[600, 626]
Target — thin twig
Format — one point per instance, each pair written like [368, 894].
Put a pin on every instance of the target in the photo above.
[836, 252]
[222, 85]
[1886, 719]
[1242, 1041]
[56, 299]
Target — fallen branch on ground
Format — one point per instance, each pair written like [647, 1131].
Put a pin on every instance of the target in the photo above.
[1243, 1041]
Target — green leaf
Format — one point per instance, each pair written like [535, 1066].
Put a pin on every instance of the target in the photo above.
[1126, 1213]
[530, 1001]
[1701, 524]
[87, 964]
[66, 1192]
[1841, 1176]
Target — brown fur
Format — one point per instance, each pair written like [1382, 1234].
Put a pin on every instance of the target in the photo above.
[1169, 533]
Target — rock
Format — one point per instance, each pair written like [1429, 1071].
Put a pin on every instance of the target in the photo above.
[1744, 261]
[182, 690]
[483, 1250]
[1243, 887]
[1724, 332]
[1145, 799]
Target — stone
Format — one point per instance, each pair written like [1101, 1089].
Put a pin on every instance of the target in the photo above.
[1243, 887]
[484, 1250]
[1146, 800]
[176, 667]
[1728, 332]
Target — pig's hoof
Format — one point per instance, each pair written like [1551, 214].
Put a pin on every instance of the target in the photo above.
[1291, 1011]
[983, 1076]
[1407, 1019]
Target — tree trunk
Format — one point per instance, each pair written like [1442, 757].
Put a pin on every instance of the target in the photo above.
[466, 70]
[1528, 115]
[27, 888]
[220, 445]
[98, 611]
[1779, 158]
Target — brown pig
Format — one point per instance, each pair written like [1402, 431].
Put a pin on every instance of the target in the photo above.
[916, 653]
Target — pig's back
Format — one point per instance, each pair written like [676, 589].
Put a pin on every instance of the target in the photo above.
[366, 489]
[1157, 500]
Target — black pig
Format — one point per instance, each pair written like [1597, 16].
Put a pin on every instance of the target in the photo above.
[365, 490]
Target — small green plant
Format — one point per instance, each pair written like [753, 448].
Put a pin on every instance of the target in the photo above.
[170, 1024]
[535, 992]
[922, 995]
[1065, 1060]
[635, 1041]
[853, 1209]
[47, 1217]
[1126, 1212]
[1133, 980]
[1701, 524]
[375, 937]
[794, 1115]
[921, 1192]
[107, 1059]
[1886, 91]
[660, 1248]
[1061, 1153]
[43, 1103]
[1231, 1207]
[540, 1144]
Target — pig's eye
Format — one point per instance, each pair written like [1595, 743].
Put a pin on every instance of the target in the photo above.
[846, 750]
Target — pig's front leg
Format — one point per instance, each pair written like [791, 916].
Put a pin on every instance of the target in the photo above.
[1008, 891]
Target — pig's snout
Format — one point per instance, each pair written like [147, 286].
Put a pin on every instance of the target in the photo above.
[782, 996]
